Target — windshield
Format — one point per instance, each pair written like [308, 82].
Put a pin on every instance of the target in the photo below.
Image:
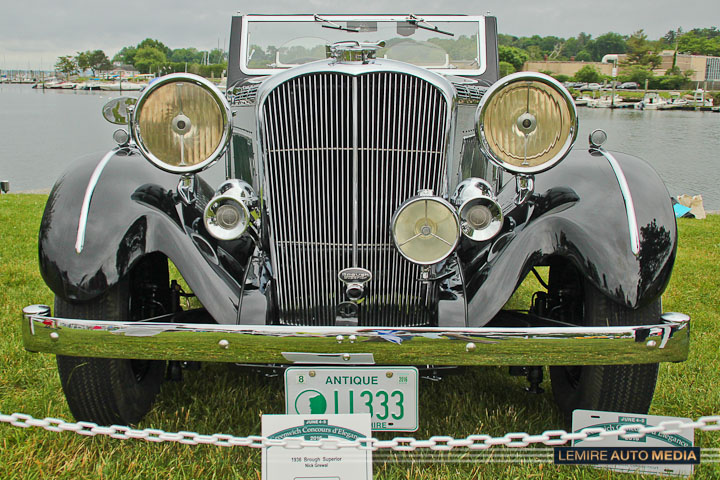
[445, 45]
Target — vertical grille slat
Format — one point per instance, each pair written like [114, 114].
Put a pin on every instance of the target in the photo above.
[330, 140]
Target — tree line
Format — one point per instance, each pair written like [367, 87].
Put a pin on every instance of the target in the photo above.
[584, 48]
[642, 53]
[148, 56]
[153, 56]
[94, 60]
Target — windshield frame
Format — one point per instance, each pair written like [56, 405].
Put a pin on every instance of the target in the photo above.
[433, 19]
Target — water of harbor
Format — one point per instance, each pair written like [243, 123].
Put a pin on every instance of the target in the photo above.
[42, 132]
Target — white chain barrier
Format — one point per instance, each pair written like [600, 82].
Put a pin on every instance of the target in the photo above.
[401, 444]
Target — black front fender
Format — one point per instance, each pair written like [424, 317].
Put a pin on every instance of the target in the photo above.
[134, 211]
[577, 212]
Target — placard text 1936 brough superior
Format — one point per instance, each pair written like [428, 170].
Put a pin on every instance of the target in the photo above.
[386, 194]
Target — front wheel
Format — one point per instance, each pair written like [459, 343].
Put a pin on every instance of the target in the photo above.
[615, 388]
[111, 391]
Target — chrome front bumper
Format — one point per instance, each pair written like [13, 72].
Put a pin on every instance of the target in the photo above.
[666, 341]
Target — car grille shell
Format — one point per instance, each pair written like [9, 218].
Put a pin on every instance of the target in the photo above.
[340, 153]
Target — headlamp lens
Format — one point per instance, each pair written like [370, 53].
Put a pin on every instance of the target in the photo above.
[181, 125]
[228, 216]
[528, 123]
[425, 230]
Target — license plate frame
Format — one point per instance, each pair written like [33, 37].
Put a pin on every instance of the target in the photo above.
[352, 389]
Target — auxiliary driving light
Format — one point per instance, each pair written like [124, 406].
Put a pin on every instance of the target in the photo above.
[480, 215]
[181, 123]
[228, 213]
[526, 122]
[425, 229]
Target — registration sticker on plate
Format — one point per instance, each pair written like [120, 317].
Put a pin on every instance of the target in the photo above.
[388, 394]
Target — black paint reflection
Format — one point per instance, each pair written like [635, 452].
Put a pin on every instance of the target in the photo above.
[656, 249]
[579, 216]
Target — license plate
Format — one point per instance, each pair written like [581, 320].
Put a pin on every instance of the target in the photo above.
[390, 394]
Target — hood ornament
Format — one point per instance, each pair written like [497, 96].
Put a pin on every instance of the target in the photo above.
[354, 52]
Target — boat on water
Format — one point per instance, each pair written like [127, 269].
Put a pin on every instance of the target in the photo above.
[89, 86]
[49, 83]
[582, 101]
[605, 101]
[651, 101]
[676, 101]
[701, 98]
[55, 85]
[122, 86]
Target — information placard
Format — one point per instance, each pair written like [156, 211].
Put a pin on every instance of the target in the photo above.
[620, 447]
[308, 463]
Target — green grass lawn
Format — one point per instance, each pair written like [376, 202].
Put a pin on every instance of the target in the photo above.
[223, 399]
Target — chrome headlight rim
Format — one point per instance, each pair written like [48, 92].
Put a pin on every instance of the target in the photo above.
[419, 198]
[498, 87]
[469, 193]
[210, 218]
[223, 107]
[242, 197]
[494, 226]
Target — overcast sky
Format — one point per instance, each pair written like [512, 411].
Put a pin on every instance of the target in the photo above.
[33, 33]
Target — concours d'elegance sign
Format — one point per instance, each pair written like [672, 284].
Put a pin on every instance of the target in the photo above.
[282, 463]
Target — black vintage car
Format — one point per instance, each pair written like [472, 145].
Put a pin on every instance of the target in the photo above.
[386, 195]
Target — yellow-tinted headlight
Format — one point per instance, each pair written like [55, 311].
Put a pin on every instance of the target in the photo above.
[181, 123]
[526, 122]
[425, 229]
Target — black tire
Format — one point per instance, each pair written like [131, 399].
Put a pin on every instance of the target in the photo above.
[104, 390]
[615, 388]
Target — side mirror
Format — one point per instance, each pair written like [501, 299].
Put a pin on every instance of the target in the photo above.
[117, 110]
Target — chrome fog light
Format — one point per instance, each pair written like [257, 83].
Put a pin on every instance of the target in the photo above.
[526, 122]
[480, 215]
[425, 229]
[228, 213]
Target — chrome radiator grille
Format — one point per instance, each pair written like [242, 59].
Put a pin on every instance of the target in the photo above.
[340, 154]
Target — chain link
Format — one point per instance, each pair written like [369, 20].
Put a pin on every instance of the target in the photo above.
[402, 444]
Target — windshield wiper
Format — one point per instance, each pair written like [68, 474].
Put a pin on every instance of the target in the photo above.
[421, 23]
[328, 24]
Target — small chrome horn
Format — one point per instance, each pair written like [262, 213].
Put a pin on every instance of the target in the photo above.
[480, 215]
[228, 213]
